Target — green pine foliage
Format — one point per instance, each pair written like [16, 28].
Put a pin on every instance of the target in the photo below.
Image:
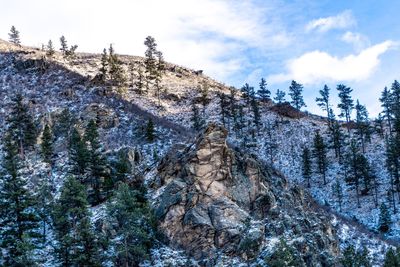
[150, 131]
[129, 212]
[14, 36]
[280, 97]
[392, 258]
[115, 69]
[21, 126]
[50, 49]
[77, 244]
[385, 220]
[104, 65]
[99, 176]
[320, 155]
[295, 92]
[355, 258]
[284, 255]
[306, 166]
[47, 145]
[78, 154]
[18, 219]
[197, 121]
[346, 104]
[64, 125]
[263, 92]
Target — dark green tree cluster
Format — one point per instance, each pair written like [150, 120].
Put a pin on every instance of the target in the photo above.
[392, 258]
[295, 92]
[154, 67]
[67, 52]
[284, 255]
[355, 258]
[14, 36]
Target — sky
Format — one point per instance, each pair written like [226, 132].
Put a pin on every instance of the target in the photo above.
[313, 42]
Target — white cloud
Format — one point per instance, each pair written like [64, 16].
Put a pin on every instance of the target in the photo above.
[358, 40]
[341, 21]
[316, 66]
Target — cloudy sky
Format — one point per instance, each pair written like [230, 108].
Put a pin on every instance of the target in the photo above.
[314, 42]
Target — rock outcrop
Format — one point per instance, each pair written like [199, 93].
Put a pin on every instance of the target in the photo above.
[213, 199]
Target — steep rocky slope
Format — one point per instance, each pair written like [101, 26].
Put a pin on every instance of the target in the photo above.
[213, 199]
[206, 194]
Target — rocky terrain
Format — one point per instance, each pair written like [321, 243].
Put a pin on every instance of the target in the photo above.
[216, 200]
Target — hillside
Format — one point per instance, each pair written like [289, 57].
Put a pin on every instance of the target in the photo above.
[212, 189]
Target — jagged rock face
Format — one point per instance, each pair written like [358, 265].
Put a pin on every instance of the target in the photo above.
[213, 199]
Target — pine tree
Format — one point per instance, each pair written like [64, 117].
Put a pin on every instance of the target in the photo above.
[386, 100]
[263, 92]
[223, 103]
[99, 177]
[64, 46]
[385, 220]
[338, 192]
[233, 107]
[353, 162]
[295, 92]
[122, 167]
[115, 69]
[346, 104]
[306, 166]
[247, 94]
[336, 138]
[284, 255]
[129, 211]
[256, 112]
[395, 96]
[319, 154]
[392, 258]
[76, 242]
[140, 83]
[150, 61]
[197, 121]
[104, 65]
[63, 126]
[21, 126]
[362, 124]
[280, 96]
[353, 258]
[14, 36]
[50, 49]
[47, 144]
[270, 142]
[392, 166]
[45, 201]
[18, 220]
[150, 135]
[79, 154]
[160, 69]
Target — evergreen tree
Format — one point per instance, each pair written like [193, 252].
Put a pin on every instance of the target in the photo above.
[353, 162]
[346, 104]
[14, 36]
[392, 258]
[362, 124]
[323, 101]
[21, 126]
[284, 255]
[104, 65]
[63, 126]
[337, 138]
[150, 61]
[256, 112]
[44, 204]
[386, 100]
[99, 177]
[18, 220]
[353, 258]
[223, 103]
[79, 154]
[47, 144]
[129, 211]
[392, 165]
[50, 49]
[338, 192]
[122, 167]
[140, 83]
[150, 135]
[270, 142]
[263, 92]
[160, 69]
[319, 154]
[233, 107]
[395, 96]
[197, 121]
[76, 242]
[385, 220]
[295, 92]
[64, 46]
[204, 90]
[306, 166]
[115, 69]
[280, 96]
[247, 94]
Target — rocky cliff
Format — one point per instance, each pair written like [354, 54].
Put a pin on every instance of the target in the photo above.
[212, 199]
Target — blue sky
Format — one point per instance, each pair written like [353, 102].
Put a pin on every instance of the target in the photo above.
[313, 42]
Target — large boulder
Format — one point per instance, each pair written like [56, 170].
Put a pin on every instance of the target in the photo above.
[212, 199]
